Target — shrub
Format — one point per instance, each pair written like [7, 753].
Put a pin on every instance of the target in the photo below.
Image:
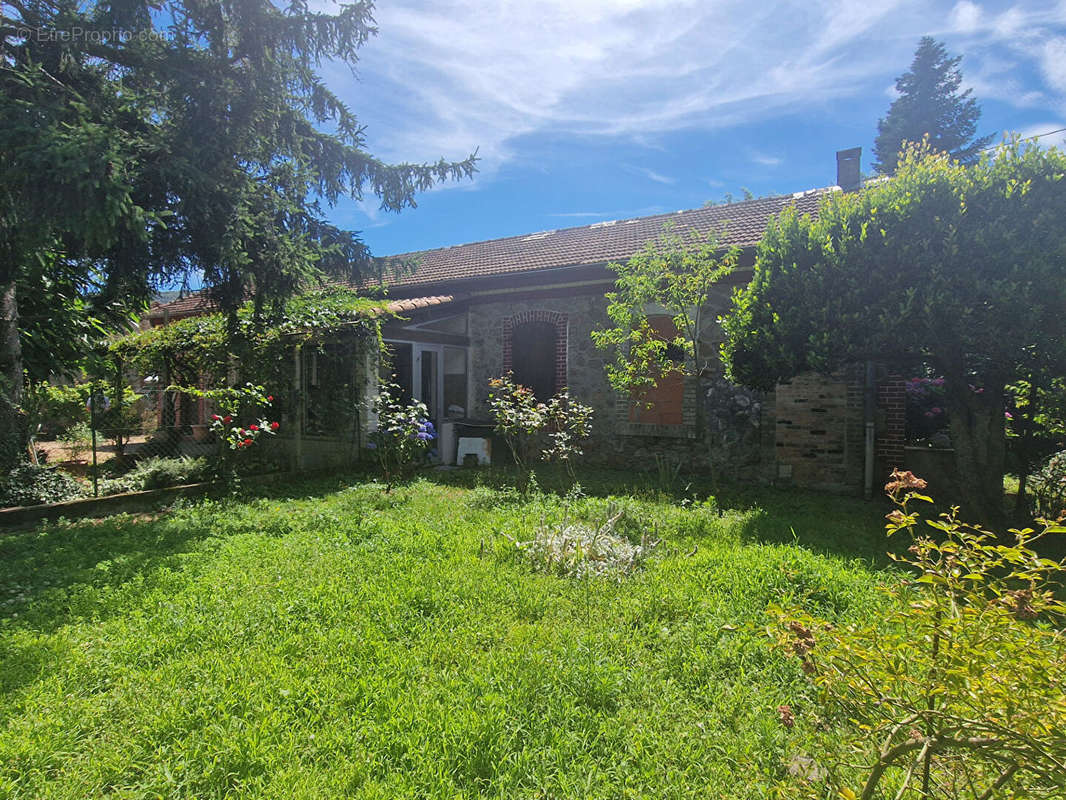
[1047, 486]
[550, 431]
[57, 408]
[248, 402]
[30, 485]
[77, 441]
[955, 690]
[159, 473]
[577, 549]
[403, 435]
[926, 409]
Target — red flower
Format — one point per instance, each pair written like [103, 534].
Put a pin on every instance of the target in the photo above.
[253, 427]
[215, 417]
[275, 425]
[270, 398]
[227, 418]
[246, 442]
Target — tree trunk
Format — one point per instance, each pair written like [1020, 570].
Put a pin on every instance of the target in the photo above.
[978, 436]
[13, 429]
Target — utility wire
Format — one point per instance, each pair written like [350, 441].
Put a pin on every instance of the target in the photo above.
[1027, 139]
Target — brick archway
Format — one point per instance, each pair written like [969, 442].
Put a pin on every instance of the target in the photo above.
[559, 320]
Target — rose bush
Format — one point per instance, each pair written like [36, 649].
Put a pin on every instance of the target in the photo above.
[552, 431]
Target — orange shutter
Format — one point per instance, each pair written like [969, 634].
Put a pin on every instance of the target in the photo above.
[663, 405]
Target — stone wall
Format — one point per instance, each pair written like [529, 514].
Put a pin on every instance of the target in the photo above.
[809, 432]
[735, 446]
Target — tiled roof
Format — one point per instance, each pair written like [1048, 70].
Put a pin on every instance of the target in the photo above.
[741, 224]
[417, 303]
[190, 306]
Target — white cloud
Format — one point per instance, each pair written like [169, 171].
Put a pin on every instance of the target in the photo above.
[765, 160]
[1053, 63]
[1044, 128]
[965, 16]
[651, 174]
[447, 76]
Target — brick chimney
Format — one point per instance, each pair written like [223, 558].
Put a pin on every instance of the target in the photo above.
[848, 169]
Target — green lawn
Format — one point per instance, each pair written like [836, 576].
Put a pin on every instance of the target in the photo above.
[327, 640]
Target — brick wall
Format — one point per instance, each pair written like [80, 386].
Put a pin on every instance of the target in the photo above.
[809, 431]
[891, 425]
[818, 431]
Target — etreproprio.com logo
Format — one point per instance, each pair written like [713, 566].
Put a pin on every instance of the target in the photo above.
[91, 35]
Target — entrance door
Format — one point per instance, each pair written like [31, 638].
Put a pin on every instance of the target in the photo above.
[427, 379]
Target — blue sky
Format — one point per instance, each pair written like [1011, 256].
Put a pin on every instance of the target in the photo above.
[585, 110]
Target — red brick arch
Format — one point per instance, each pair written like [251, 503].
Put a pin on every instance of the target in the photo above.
[556, 318]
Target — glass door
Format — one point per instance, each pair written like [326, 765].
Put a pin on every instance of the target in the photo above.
[427, 381]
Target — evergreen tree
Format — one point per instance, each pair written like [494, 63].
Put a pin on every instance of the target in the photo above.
[141, 140]
[930, 104]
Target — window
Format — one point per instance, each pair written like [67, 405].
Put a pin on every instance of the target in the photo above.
[436, 374]
[533, 354]
[454, 382]
[534, 350]
[397, 368]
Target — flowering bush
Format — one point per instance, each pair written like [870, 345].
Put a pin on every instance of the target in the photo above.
[248, 402]
[403, 435]
[1047, 486]
[552, 430]
[954, 689]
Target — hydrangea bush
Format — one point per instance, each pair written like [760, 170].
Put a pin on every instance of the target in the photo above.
[926, 409]
[403, 436]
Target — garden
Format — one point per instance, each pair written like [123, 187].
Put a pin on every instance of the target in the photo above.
[329, 638]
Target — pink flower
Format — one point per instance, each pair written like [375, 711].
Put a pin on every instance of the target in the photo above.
[1008, 415]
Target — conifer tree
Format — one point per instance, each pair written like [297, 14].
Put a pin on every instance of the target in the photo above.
[145, 139]
[930, 104]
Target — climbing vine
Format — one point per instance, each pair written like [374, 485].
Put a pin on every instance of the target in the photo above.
[195, 349]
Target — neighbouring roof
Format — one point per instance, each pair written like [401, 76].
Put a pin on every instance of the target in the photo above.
[737, 224]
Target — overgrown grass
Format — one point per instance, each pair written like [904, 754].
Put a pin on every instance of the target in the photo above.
[334, 641]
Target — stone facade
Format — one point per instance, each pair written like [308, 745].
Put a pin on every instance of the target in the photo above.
[808, 432]
[734, 416]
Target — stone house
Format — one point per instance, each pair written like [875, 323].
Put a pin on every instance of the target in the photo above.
[528, 305]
